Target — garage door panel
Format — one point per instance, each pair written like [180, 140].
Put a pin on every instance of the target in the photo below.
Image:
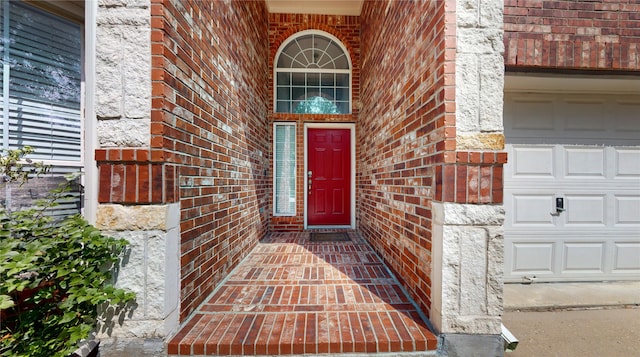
[532, 114]
[584, 257]
[591, 158]
[533, 161]
[628, 163]
[533, 258]
[627, 257]
[587, 162]
[583, 116]
[627, 117]
[585, 210]
[533, 210]
[627, 210]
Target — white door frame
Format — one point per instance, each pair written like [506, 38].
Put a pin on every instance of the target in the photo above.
[352, 130]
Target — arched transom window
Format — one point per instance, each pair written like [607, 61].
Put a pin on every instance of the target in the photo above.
[313, 75]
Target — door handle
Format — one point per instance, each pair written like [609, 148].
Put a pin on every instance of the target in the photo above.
[559, 206]
[310, 181]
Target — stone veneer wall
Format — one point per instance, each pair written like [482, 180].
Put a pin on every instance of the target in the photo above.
[281, 27]
[431, 143]
[468, 239]
[578, 34]
[134, 202]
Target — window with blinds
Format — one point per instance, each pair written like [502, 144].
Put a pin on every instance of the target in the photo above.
[41, 86]
[284, 162]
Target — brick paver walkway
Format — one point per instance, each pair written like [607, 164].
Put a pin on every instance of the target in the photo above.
[292, 296]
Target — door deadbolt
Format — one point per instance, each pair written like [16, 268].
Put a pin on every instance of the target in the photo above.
[559, 206]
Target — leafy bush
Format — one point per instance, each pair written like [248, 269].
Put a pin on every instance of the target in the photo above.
[56, 277]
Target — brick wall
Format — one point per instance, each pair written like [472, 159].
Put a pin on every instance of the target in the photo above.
[347, 30]
[403, 133]
[209, 134]
[572, 34]
[407, 133]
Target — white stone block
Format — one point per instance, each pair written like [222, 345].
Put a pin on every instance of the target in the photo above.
[467, 92]
[134, 328]
[144, 273]
[489, 325]
[155, 275]
[467, 13]
[132, 273]
[109, 84]
[473, 215]
[450, 270]
[495, 271]
[172, 215]
[491, 13]
[124, 132]
[491, 92]
[467, 260]
[130, 16]
[172, 271]
[137, 71]
[496, 249]
[124, 3]
[112, 3]
[479, 41]
[473, 270]
[437, 285]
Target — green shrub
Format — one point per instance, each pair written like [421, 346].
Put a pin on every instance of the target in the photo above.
[56, 278]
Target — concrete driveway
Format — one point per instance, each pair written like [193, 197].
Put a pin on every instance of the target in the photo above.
[586, 333]
[567, 320]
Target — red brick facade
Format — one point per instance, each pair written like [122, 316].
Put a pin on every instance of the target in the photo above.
[408, 137]
[211, 129]
[209, 121]
[572, 34]
[281, 27]
[402, 132]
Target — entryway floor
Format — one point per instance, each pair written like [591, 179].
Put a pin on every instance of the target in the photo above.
[293, 296]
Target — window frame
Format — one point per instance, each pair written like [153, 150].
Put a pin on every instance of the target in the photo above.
[292, 213]
[60, 165]
[4, 143]
[277, 70]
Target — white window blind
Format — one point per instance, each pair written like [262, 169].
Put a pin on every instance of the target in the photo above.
[284, 185]
[41, 73]
[40, 96]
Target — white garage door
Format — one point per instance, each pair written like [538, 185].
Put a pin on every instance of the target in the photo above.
[582, 150]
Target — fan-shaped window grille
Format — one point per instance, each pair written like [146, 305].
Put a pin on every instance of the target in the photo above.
[313, 75]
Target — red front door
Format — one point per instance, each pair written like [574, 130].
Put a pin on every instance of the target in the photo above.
[328, 177]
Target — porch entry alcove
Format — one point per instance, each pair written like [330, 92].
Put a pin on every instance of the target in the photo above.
[297, 292]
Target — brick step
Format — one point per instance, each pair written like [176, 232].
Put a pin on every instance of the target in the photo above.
[302, 333]
[294, 297]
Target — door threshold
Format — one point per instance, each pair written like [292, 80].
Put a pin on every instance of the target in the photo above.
[329, 227]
